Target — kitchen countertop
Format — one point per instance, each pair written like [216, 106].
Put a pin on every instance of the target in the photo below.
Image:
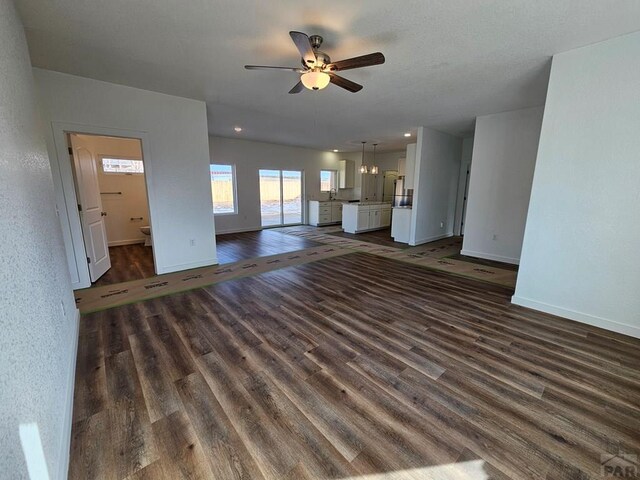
[369, 203]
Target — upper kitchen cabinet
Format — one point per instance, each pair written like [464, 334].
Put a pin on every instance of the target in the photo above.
[346, 174]
[410, 166]
[402, 167]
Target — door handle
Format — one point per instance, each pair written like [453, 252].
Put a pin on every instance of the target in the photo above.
[103, 214]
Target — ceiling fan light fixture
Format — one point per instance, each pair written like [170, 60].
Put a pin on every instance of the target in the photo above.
[315, 80]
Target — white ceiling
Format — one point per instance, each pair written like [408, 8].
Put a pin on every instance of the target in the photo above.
[447, 61]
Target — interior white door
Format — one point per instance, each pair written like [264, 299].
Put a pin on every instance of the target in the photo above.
[92, 217]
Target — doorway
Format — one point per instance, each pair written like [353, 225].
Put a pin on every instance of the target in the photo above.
[113, 207]
[389, 185]
[281, 197]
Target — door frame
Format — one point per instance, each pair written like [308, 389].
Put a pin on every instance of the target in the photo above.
[70, 217]
[303, 209]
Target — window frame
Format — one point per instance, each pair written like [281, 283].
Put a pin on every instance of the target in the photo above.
[234, 188]
[334, 183]
[102, 157]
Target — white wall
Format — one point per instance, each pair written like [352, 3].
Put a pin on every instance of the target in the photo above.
[175, 148]
[38, 318]
[435, 186]
[465, 165]
[249, 157]
[580, 255]
[504, 156]
[132, 203]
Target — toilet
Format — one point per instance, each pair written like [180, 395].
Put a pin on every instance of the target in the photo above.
[147, 235]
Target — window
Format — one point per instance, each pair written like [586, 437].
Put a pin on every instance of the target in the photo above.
[328, 180]
[223, 189]
[122, 165]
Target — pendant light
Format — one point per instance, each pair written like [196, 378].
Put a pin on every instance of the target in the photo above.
[374, 167]
[363, 166]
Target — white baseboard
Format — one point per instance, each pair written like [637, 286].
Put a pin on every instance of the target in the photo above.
[491, 256]
[187, 266]
[238, 230]
[600, 322]
[65, 441]
[431, 239]
[131, 241]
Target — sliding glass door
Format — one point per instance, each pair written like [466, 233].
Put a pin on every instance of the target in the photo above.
[280, 197]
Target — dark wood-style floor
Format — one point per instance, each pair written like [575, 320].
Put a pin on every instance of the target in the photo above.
[133, 262]
[344, 367]
[232, 247]
[128, 262]
[379, 237]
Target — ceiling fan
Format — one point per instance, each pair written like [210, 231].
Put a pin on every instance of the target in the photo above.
[317, 69]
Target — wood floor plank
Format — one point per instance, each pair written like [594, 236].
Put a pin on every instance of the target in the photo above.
[182, 454]
[159, 391]
[274, 458]
[90, 392]
[128, 417]
[318, 455]
[227, 455]
[175, 353]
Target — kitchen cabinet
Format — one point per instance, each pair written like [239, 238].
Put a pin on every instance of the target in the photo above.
[364, 217]
[402, 167]
[324, 213]
[401, 224]
[346, 174]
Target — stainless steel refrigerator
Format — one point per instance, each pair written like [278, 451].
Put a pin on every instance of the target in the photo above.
[403, 197]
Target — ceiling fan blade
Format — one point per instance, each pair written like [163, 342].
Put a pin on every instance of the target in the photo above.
[297, 88]
[266, 67]
[344, 83]
[303, 44]
[357, 62]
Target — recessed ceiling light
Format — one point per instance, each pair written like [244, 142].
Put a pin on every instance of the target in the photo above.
[407, 134]
[237, 129]
[335, 150]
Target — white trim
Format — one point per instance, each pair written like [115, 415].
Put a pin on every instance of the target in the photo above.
[593, 320]
[432, 239]
[65, 441]
[130, 241]
[188, 266]
[62, 164]
[490, 256]
[234, 184]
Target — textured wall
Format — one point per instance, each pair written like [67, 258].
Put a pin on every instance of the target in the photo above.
[36, 338]
[580, 250]
[435, 185]
[176, 154]
[504, 156]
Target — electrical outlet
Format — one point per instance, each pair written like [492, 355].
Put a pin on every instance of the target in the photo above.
[441, 224]
[192, 242]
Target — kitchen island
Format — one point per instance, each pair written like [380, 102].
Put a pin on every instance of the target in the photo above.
[365, 216]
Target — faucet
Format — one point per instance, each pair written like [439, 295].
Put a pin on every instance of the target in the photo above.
[332, 194]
